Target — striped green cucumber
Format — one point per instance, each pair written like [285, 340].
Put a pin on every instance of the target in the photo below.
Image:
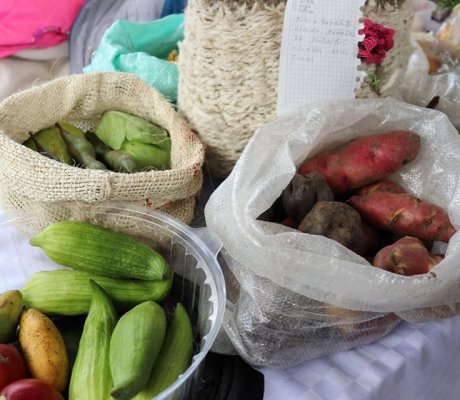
[91, 377]
[67, 292]
[135, 344]
[175, 355]
[95, 249]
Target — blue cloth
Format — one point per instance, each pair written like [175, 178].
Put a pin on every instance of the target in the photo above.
[173, 7]
[96, 16]
[142, 48]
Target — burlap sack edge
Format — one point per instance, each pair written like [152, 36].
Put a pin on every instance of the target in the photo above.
[29, 175]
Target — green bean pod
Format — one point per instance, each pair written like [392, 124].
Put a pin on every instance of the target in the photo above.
[115, 160]
[81, 150]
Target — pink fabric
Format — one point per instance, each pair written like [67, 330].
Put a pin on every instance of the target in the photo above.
[26, 24]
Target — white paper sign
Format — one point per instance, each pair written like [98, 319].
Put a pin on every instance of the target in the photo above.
[319, 50]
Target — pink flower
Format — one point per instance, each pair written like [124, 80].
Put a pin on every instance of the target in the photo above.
[378, 40]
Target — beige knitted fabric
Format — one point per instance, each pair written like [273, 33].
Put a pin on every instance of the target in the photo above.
[28, 179]
[229, 64]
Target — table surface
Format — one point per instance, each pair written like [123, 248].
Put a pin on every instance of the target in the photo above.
[413, 362]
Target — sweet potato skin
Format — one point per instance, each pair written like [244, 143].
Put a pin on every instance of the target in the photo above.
[381, 186]
[404, 214]
[408, 256]
[364, 160]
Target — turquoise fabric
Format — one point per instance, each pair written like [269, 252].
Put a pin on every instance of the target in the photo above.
[141, 48]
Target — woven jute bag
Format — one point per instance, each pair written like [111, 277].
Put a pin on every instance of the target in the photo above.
[29, 180]
[229, 65]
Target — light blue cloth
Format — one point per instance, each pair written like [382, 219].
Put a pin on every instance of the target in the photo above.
[141, 48]
[96, 16]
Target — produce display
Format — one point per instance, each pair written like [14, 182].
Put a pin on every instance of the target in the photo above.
[121, 142]
[129, 346]
[344, 194]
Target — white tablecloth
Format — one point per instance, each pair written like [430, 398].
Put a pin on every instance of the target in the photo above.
[414, 362]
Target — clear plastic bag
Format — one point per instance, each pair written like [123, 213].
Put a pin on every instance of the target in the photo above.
[448, 35]
[419, 87]
[294, 296]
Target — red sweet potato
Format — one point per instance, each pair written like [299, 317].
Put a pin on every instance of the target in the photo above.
[381, 186]
[364, 160]
[290, 223]
[404, 214]
[408, 256]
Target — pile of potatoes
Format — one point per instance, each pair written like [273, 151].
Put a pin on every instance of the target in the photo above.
[344, 195]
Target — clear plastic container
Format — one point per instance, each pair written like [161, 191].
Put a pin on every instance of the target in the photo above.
[199, 283]
[423, 11]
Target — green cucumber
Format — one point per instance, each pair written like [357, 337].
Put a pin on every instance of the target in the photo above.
[91, 377]
[67, 292]
[175, 355]
[92, 248]
[135, 344]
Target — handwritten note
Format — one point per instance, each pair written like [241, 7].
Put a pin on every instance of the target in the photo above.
[319, 50]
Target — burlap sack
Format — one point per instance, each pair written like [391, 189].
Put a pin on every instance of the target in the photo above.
[30, 180]
[229, 66]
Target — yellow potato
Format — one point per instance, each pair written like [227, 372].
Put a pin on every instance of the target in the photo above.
[44, 349]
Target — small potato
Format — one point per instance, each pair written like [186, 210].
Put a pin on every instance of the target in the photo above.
[44, 349]
[337, 221]
[303, 192]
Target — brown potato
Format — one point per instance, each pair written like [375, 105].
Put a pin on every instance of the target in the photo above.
[303, 192]
[337, 221]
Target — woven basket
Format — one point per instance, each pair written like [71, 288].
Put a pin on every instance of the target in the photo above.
[30, 180]
[229, 65]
